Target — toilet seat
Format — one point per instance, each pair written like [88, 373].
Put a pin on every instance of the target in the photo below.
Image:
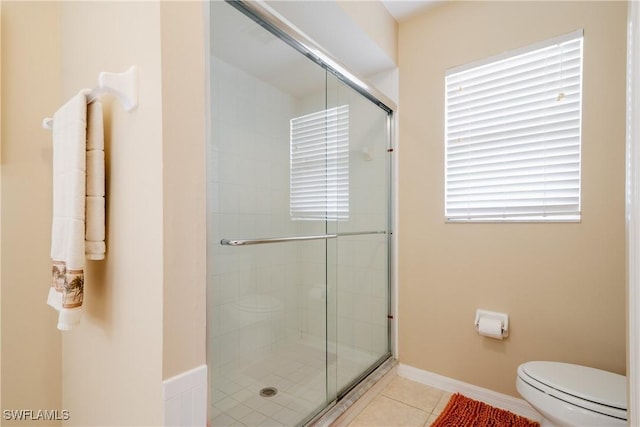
[258, 304]
[588, 388]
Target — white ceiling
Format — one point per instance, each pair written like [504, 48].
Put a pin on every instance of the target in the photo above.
[241, 42]
[246, 45]
[402, 10]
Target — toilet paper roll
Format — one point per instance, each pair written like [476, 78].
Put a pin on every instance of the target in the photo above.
[490, 327]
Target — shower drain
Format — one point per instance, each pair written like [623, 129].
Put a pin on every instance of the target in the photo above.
[268, 392]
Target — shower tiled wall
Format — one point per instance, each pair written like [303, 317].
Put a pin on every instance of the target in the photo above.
[362, 294]
[249, 197]
[356, 266]
[247, 191]
[362, 260]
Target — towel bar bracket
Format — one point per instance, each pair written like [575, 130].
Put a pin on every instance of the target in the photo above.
[124, 86]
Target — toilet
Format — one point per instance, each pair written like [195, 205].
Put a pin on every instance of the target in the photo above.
[573, 395]
[254, 308]
[257, 322]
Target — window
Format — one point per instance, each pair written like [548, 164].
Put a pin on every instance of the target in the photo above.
[319, 165]
[512, 135]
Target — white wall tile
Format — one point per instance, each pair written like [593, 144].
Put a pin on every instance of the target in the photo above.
[185, 398]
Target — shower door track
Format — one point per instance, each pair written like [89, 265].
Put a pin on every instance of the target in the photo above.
[244, 242]
[266, 17]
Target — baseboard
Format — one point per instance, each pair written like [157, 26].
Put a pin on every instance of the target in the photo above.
[499, 400]
[184, 398]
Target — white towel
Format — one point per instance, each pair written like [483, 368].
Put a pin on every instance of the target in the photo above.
[95, 247]
[71, 167]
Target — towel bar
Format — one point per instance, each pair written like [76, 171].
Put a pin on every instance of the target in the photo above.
[123, 86]
[243, 242]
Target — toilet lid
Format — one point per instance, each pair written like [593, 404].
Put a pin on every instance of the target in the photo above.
[258, 303]
[589, 384]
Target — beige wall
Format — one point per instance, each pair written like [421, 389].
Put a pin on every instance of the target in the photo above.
[376, 21]
[31, 365]
[563, 285]
[0, 200]
[148, 316]
[144, 317]
[184, 202]
[112, 363]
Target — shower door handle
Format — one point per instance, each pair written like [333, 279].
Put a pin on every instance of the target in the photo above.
[244, 242]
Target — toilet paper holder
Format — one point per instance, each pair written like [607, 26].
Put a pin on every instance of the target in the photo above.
[502, 317]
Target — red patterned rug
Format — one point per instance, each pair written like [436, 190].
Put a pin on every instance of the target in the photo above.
[464, 412]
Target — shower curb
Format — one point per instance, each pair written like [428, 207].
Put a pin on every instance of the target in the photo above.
[355, 401]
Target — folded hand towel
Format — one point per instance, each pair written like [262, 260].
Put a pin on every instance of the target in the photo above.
[78, 203]
[95, 173]
[95, 130]
[95, 204]
[94, 245]
[67, 233]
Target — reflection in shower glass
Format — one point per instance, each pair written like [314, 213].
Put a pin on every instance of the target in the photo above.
[294, 152]
[319, 168]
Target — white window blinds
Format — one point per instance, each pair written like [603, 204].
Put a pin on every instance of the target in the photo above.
[513, 135]
[319, 165]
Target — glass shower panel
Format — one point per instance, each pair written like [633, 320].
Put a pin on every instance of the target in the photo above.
[361, 261]
[267, 307]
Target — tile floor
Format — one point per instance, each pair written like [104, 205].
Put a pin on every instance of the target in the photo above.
[403, 403]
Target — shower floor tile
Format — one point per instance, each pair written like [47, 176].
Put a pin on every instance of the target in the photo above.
[295, 370]
[298, 370]
[255, 419]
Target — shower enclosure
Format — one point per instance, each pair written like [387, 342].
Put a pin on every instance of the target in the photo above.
[298, 225]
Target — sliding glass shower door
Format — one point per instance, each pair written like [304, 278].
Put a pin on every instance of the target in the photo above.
[359, 257]
[298, 231]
